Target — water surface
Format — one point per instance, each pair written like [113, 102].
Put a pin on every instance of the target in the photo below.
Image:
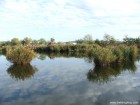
[64, 80]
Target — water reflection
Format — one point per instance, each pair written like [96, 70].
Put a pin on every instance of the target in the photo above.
[21, 72]
[104, 74]
[42, 56]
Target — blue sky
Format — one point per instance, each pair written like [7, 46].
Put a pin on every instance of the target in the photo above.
[67, 20]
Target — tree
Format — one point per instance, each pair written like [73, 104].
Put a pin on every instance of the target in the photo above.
[88, 38]
[35, 42]
[97, 41]
[15, 41]
[42, 41]
[109, 39]
[80, 41]
[27, 40]
[0, 44]
[52, 40]
[5, 43]
[131, 41]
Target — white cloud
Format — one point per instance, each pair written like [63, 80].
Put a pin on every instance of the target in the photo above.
[69, 14]
[17, 6]
[115, 7]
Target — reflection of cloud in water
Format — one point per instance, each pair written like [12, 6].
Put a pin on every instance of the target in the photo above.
[105, 74]
[21, 72]
[63, 81]
[126, 94]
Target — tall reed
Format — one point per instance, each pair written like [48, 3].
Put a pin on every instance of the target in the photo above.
[103, 56]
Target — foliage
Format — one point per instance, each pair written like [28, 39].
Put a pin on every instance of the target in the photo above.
[27, 41]
[42, 41]
[15, 41]
[109, 39]
[133, 52]
[131, 41]
[20, 55]
[125, 53]
[88, 39]
[66, 48]
[80, 41]
[52, 40]
[35, 42]
[103, 56]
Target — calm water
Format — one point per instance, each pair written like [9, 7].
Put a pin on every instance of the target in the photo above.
[67, 81]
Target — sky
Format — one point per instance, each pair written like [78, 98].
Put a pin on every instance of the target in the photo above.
[68, 20]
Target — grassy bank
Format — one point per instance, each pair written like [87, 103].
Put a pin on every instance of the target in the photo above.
[102, 56]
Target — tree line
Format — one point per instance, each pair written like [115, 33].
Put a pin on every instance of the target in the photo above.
[87, 39]
[109, 40]
[26, 41]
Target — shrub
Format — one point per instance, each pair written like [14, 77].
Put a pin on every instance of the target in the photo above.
[102, 56]
[125, 53]
[113, 54]
[1, 50]
[118, 53]
[20, 55]
[133, 52]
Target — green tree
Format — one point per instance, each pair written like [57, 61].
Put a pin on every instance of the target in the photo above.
[88, 38]
[131, 41]
[35, 42]
[42, 41]
[97, 41]
[27, 41]
[15, 41]
[0, 44]
[109, 39]
[52, 40]
[80, 41]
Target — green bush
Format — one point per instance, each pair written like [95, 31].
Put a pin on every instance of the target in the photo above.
[125, 53]
[118, 53]
[102, 56]
[133, 52]
[20, 55]
[113, 54]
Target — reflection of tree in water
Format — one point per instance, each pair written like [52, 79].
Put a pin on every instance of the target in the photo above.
[67, 55]
[21, 72]
[104, 74]
[42, 56]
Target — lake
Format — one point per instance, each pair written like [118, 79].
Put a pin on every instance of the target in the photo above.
[68, 80]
